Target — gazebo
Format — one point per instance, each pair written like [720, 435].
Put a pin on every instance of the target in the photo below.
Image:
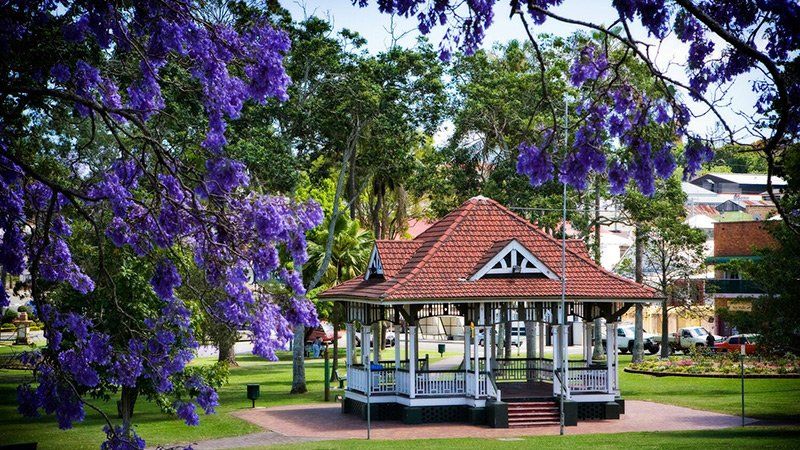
[489, 266]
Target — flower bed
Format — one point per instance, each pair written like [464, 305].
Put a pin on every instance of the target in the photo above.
[719, 365]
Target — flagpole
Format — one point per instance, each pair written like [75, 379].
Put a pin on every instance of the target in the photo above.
[562, 319]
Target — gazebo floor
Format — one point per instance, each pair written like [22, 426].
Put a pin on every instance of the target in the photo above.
[526, 391]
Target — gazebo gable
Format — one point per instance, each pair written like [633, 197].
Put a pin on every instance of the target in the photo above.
[512, 259]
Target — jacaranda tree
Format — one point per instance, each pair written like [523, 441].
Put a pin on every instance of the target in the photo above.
[726, 39]
[86, 146]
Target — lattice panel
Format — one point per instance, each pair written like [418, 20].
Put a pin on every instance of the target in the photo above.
[591, 411]
[438, 414]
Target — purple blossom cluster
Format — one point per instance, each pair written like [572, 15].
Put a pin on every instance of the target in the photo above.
[160, 31]
[468, 20]
[535, 163]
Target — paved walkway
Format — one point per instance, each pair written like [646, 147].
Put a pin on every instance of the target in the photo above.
[326, 422]
[248, 440]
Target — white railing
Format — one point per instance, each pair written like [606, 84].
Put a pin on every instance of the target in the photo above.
[357, 379]
[402, 382]
[587, 380]
[546, 369]
[383, 381]
[471, 385]
[440, 383]
[491, 390]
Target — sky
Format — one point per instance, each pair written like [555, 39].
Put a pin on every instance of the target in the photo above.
[375, 26]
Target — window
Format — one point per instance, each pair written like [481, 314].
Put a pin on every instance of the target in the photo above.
[734, 340]
[620, 332]
[686, 334]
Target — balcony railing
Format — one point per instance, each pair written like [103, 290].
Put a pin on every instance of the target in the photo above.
[726, 286]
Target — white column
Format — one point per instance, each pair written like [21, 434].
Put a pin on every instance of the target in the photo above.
[564, 329]
[365, 345]
[412, 362]
[467, 342]
[476, 367]
[554, 338]
[349, 343]
[611, 356]
[396, 349]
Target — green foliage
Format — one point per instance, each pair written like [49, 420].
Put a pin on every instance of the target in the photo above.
[9, 315]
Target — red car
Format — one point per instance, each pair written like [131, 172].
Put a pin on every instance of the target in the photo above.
[323, 331]
[733, 344]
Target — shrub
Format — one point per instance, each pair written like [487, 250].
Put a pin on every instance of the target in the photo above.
[9, 315]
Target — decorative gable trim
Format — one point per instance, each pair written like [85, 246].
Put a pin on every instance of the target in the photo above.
[375, 266]
[514, 260]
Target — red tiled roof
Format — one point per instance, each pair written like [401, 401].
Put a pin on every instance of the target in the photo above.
[579, 247]
[394, 254]
[447, 254]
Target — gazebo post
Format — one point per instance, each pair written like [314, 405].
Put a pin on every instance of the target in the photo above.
[611, 357]
[364, 344]
[396, 350]
[467, 343]
[476, 367]
[349, 343]
[412, 363]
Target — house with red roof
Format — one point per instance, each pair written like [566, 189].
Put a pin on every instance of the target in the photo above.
[489, 266]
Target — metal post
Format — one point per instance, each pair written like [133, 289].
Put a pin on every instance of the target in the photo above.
[741, 357]
[369, 390]
[562, 307]
[327, 376]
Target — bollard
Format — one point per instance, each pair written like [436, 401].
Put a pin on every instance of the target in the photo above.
[253, 393]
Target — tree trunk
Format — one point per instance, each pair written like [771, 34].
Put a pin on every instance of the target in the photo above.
[664, 329]
[597, 351]
[530, 347]
[376, 347]
[227, 354]
[125, 407]
[298, 361]
[638, 341]
[597, 254]
[352, 190]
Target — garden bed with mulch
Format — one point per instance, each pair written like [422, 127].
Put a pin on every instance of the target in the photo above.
[719, 366]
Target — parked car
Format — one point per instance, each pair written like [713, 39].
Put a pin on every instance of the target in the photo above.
[626, 335]
[389, 341]
[517, 336]
[733, 344]
[323, 331]
[688, 338]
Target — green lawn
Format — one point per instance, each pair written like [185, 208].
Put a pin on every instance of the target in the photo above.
[734, 438]
[775, 399]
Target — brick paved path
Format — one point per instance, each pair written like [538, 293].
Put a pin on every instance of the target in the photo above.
[325, 421]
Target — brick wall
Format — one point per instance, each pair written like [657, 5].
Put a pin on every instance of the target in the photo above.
[741, 238]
